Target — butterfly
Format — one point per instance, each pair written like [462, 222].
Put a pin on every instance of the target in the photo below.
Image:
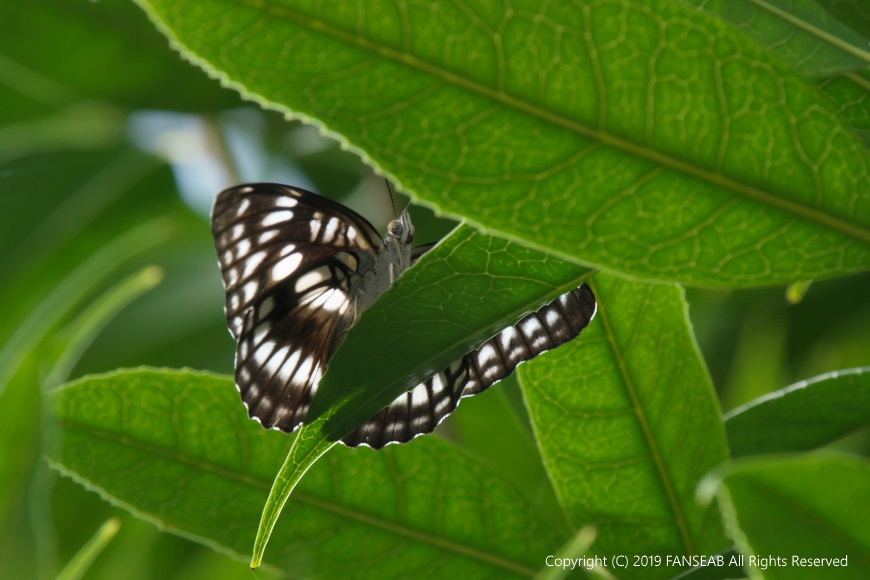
[299, 269]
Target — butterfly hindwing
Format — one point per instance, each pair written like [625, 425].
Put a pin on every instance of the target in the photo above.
[291, 263]
[420, 410]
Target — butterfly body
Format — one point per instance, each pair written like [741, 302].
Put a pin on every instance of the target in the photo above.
[299, 270]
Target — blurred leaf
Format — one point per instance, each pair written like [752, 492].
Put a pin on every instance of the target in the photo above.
[78, 566]
[69, 293]
[803, 416]
[796, 292]
[81, 126]
[176, 448]
[628, 423]
[518, 123]
[851, 12]
[576, 548]
[800, 32]
[61, 52]
[731, 569]
[71, 343]
[806, 506]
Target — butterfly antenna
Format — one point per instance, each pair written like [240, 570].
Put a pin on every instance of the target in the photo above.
[392, 199]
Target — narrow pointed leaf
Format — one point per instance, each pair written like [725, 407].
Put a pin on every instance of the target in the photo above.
[730, 168]
[81, 562]
[628, 423]
[781, 510]
[802, 416]
[176, 448]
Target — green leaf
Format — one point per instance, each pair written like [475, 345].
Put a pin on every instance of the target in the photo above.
[176, 448]
[628, 423]
[851, 93]
[306, 450]
[800, 32]
[802, 416]
[806, 506]
[851, 12]
[60, 53]
[70, 291]
[489, 283]
[573, 115]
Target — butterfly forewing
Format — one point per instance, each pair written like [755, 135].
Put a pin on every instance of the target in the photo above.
[298, 269]
[292, 263]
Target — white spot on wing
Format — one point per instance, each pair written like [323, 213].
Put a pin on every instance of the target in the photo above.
[267, 236]
[285, 202]
[252, 263]
[486, 355]
[265, 308]
[276, 217]
[261, 355]
[243, 207]
[289, 366]
[552, 317]
[242, 248]
[310, 279]
[302, 376]
[331, 229]
[442, 405]
[249, 290]
[336, 302]
[286, 267]
[419, 396]
[276, 361]
[438, 384]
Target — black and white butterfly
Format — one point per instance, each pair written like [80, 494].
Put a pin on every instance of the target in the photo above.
[299, 269]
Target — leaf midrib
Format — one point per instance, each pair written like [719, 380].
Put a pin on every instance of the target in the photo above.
[652, 443]
[300, 496]
[750, 191]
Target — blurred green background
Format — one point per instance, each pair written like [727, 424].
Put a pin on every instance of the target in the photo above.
[111, 150]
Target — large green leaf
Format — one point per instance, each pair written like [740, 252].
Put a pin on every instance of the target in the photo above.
[489, 283]
[628, 423]
[801, 32]
[780, 510]
[176, 448]
[802, 416]
[812, 40]
[729, 167]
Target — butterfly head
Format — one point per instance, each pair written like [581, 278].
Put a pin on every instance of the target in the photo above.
[401, 230]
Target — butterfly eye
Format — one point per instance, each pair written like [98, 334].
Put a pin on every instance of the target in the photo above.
[396, 228]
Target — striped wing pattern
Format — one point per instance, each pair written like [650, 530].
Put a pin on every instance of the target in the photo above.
[293, 265]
